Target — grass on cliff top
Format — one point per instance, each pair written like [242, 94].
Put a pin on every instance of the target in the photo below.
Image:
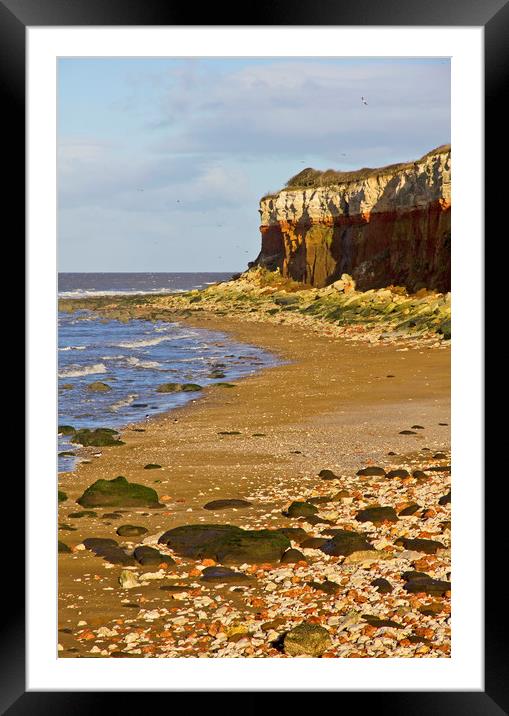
[313, 178]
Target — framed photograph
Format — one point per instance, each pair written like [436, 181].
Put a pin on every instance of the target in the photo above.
[255, 340]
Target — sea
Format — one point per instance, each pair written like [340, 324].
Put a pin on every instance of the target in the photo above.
[133, 358]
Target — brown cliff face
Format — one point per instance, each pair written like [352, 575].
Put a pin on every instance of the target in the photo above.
[387, 226]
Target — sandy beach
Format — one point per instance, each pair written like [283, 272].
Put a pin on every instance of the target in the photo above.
[331, 404]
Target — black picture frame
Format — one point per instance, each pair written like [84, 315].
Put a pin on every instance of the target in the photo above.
[15, 17]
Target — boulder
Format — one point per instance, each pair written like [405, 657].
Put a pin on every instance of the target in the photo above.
[226, 543]
[327, 475]
[146, 555]
[291, 556]
[223, 574]
[118, 493]
[297, 534]
[382, 585]
[168, 388]
[306, 640]
[417, 582]
[428, 546]
[313, 542]
[131, 530]
[398, 473]
[301, 509]
[371, 472]
[345, 542]
[377, 514]
[226, 504]
[108, 550]
[99, 387]
[100, 437]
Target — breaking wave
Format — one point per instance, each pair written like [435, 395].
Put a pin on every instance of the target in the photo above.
[75, 371]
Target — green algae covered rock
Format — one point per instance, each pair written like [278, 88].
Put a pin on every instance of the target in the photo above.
[307, 640]
[190, 387]
[100, 437]
[99, 387]
[301, 509]
[118, 493]
[226, 543]
[168, 388]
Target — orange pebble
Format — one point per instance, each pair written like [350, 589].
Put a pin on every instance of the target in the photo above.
[208, 562]
[369, 630]
[426, 633]
[87, 635]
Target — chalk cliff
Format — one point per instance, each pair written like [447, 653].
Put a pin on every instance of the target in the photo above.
[382, 226]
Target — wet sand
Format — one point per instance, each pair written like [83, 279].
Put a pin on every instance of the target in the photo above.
[331, 404]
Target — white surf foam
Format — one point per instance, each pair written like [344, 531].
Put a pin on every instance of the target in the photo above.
[84, 293]
[75, 371]
[144, 342]
[123, 403]
[137, 363]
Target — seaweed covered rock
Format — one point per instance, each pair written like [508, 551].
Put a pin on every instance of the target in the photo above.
[292, 556]
[118, 493]
[99, 387]
[100, 437]
[178, 387]
[372, 471]
[301, 509]
[131, 530]
[168, 388]
[109, 550]
[417, 582]
[226, 504]
[428, 546]
[226, 543]
[377, 514]
[146, 555]
[307, 640]
[223, 574]
[345, 542]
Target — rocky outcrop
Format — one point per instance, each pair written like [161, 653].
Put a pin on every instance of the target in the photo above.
[382, 226]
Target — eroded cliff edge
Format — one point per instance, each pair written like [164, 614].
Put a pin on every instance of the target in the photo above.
[382, 226]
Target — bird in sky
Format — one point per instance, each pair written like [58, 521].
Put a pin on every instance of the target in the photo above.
[364, 100]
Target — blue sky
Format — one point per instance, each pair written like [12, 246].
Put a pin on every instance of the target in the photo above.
[162, 162]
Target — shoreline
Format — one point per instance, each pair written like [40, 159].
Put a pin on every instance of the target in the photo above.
[331, 405]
